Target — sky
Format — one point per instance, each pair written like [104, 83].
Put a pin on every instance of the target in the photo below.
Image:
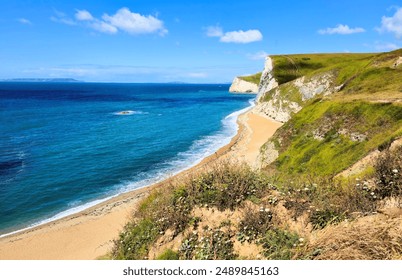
[209, 41]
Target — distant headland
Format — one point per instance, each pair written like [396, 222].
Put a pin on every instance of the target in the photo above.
[41, 80]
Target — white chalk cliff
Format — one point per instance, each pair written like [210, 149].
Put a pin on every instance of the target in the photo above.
[280, 102]
[242, 86]
[267, 81]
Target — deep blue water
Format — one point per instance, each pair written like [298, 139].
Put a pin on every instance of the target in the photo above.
[64, 146]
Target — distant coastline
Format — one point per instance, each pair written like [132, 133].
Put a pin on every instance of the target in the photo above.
[42, 80]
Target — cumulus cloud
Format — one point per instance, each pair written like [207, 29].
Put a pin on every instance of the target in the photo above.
[122, 20]
[103, 27]
[341, 29]
[135, 23]
[83, 15]
[24, 21]
[242, 37]
[261, 55]
[392, 24]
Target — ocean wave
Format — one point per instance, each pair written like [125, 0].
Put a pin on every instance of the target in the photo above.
[129, 112]
[199, 149]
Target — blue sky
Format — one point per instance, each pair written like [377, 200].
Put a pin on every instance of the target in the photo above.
[207, 41]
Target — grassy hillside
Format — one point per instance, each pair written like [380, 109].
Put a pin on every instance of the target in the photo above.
[290, 67]
[255, 79]
[326, 137]
[296, 208]
[359, 73]
[330, 134]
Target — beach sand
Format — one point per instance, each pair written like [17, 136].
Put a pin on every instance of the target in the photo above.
[89, 234]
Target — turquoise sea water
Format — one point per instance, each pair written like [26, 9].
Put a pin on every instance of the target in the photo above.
[67, 146]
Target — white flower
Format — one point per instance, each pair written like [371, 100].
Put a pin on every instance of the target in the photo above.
[395, 171]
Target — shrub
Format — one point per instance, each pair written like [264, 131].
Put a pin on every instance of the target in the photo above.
[135, 239]
[214, 244]
[322, 218]
[280, 244]
[388, 170]
[226, 186]
[254, 224]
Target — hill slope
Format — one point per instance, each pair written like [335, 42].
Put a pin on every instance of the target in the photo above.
[337, 109]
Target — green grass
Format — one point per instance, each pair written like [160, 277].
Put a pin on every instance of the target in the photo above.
[290, 67]
[135, 240]
[255, 79]
[279, 244]
[301, 153]
[287, 92]
[360, 73]
[168, 254]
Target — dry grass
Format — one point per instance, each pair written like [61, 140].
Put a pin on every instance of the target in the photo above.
[369, 238]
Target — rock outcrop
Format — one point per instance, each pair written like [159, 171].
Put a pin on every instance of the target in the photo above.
[242, 86]
[280, 102]
[397, 62]
[268, 80]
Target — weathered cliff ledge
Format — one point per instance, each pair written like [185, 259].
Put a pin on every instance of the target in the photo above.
[241, 86]
[267, 81]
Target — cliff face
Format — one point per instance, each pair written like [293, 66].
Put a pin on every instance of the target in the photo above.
[241, 86]
[279, 102]
[268, 80]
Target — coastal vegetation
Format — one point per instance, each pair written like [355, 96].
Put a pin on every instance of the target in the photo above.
[334, 191]
[255, 79]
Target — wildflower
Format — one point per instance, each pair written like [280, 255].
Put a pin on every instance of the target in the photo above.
[395, 171]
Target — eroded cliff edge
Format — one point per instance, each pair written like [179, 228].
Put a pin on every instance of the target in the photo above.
[246, 84]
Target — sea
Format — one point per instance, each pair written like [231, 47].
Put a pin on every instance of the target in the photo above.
[65, 147]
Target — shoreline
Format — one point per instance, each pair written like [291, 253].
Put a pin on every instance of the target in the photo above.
[95, 203]
[96, 227]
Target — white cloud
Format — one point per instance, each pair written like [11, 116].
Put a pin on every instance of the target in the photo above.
[381, 46]
[242, 37]
[261, 55]
[341, 29]
[61, 17]
[135, 23]
[83, 15]
[392, 24]
[122, 20]
[214, 31]
[103, 27]
[24, 21]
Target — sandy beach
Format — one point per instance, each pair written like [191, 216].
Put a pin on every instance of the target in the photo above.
[89, 234]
